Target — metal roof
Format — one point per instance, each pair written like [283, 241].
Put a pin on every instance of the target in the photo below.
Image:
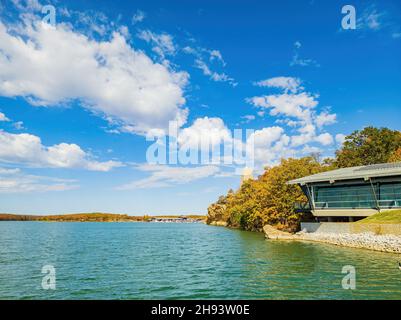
[361, 172]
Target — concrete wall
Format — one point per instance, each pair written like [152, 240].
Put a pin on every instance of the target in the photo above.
[353, 228]
[326, 227]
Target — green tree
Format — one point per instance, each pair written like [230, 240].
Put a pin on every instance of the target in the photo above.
[368, 146]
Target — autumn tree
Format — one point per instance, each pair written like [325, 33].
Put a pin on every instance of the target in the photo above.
[280, 198]
[396, 156]
[369, 146]
[267, 200]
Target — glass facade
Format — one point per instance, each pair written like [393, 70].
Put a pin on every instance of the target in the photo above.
[358, 196]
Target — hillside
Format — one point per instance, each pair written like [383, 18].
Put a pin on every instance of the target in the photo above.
[383, 217]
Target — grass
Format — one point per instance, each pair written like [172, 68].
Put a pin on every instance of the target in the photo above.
[384, 217]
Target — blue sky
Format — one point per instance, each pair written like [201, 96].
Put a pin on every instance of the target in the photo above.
[78, 98]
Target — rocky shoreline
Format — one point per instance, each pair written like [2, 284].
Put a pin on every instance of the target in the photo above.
[368, 240]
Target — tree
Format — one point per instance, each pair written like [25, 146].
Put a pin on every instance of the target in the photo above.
[279, 203]
[368, 146]
[267, 200]
[396, 156]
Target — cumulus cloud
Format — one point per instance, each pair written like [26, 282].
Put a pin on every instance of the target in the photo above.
[28, 150]
[50, 66]
[292, 105]
[325, 139]
[270, 144]
[325, 118]
[16, 181]
[212, 129]
[166, 176]
[297, 109]
[266, 145]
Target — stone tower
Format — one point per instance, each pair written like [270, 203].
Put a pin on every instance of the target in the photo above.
[247, 173]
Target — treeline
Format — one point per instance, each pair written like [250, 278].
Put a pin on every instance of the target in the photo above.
[78, 217]
[270, 200]
[92, 217]
[17, 217]
[87, 217]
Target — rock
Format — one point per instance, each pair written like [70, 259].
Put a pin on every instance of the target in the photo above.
[367, 240]
[219, 223]
[273, 233]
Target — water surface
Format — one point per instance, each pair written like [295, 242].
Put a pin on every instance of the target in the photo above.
[182, 261]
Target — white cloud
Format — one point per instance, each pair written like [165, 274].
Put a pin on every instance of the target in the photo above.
[325, 139]
[248, 118]
[138, 16]
[54, 65]
[308, 150]
[292, 105]
[287, 83]
[165, 176]
[216, 55]
[266, 136]
[215, 76]
[212, 129]
[3, 117]
[162, 43]
[28, 149]
[325, 118]
[340, 138]
[27, 5]
[270, 144]
[296, 109]
[201, 55]
[16, 181]
[372, 19]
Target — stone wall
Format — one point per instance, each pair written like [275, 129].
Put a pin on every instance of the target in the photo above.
[328, 233]
[352, 228]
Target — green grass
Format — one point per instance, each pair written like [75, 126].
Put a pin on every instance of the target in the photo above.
[384, 217]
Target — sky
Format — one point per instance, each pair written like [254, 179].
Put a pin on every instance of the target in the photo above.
[89, 88]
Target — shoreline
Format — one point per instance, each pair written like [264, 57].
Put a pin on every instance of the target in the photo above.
[367, 240]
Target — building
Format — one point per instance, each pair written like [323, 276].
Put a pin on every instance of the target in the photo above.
[350, 194]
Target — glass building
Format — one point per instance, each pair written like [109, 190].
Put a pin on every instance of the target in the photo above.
[352, 193]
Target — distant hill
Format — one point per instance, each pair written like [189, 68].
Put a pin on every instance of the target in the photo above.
[17, 217]
[89, 217]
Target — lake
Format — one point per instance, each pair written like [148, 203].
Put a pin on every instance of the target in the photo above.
[182, 261]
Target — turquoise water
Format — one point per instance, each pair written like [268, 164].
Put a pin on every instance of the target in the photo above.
[181, 261]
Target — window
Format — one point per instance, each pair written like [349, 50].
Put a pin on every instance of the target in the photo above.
[354, 196]
[358, 196]
[390, 195]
